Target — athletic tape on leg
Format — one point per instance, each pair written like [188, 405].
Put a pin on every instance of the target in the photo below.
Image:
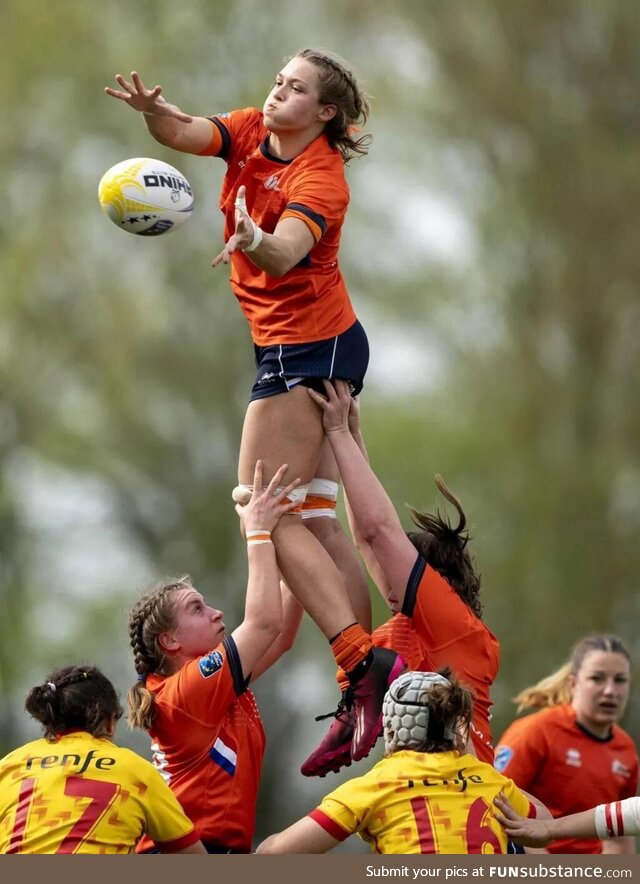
[321, 500]
[242, 494]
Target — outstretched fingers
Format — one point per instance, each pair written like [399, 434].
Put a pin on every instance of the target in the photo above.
[282, 495]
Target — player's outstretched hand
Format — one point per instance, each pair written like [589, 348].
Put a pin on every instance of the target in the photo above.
[244, 232]
[529, 833]
[267, 505]
[335, 406]
[147, 101]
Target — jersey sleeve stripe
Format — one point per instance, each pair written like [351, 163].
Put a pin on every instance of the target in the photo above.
[413, 583]
[316, 223]
[330, 826]
[224, 145]
[239, 682]
[320, 220]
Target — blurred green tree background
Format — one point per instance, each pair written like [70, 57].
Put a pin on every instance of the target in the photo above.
[493, 254]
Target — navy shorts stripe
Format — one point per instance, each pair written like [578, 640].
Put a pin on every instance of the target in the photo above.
[283, 366]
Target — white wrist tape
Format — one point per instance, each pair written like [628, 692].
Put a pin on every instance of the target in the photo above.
[618, 818]
[241, 203]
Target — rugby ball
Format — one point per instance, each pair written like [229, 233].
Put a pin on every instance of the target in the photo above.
[146, 197]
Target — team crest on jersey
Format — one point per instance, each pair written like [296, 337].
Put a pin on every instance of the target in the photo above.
[210, 664]
[504, 754]
[619, 768]
[271, 183]
[573, 759]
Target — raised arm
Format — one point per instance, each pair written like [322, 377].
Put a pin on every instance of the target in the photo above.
[292, 612]
[378, 524]
[376, 572]
[263, 620]
[166, 122]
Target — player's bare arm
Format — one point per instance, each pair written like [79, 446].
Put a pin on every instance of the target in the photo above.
[378, 522]
[304, 836]
[263, 616]
[165, 122]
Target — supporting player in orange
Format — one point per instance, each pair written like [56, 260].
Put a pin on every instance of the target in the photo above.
[192, 693]
[428, 576]
[284, 198]
[75, 790]
[427, 795]
[571, 754]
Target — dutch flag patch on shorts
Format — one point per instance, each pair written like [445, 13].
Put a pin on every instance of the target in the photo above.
[224, 755]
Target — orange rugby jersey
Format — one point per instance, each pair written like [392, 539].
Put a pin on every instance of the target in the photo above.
[551, 756]
[209, 743]
[418, 802]
[84, 794]
[455, 637]
[310, 302]
[398, 634]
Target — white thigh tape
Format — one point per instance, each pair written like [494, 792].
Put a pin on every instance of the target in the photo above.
[242, 493]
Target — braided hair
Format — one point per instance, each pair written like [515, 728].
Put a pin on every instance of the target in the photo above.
[153, 614]
[338, 86]
[74, 698]
[445, 548]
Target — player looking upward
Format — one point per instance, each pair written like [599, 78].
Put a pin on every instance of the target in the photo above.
[192, 693]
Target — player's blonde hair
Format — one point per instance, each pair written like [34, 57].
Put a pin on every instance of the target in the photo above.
[555, 689]
[153, 614]
[339, 86]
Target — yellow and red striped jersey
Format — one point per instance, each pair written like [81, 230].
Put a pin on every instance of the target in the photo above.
[417, 802]
[84, 794]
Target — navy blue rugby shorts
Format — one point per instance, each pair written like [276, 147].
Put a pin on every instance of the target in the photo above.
[284, 366]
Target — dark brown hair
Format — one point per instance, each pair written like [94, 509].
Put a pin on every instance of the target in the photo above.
[73, 698]
[338, 86]
[447, 704]
[445, 548]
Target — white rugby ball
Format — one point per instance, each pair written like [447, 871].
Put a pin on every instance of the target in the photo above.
[145, 196]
